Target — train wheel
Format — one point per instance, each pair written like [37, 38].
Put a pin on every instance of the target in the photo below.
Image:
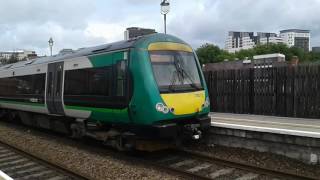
[3, 113]
[12, 116]
[78, 129]
[119, 143]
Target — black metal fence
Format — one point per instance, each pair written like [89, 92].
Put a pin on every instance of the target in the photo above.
[279, 91]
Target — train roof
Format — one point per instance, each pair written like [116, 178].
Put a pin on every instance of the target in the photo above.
[78, 53]
[125, 44]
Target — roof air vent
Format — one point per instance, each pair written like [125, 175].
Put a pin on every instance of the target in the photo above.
[102, 50]
[29, 62]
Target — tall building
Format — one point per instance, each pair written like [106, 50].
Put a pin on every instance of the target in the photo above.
[266, 38]
[297, 38]
[240, 40]
[133, 32]
[247, 40]
[316, 49]
[20, 54]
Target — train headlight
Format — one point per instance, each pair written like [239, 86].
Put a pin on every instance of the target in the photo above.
[162, 108]
[207, 102]
[159, 107]
[165, 110]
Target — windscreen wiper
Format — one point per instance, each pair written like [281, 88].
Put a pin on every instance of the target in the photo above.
[193, 84]
[184, 73]
[173, 81]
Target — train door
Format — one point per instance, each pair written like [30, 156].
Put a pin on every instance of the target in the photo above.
[54, 88]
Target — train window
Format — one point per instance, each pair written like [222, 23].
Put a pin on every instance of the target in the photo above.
[39, 84]
[90, 81]
[31, 84]
[58, 82]
[50, 83]
[7, 86]
[22, 85]
[121, 77]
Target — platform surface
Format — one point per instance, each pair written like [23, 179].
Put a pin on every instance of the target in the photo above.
[4, 176]
[280, 125]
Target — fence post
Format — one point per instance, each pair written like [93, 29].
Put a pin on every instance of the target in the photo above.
[251, 91]
[294, 91]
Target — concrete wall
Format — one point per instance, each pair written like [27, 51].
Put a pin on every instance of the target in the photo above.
[301, 148]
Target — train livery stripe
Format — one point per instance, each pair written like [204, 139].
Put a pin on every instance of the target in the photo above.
[22, 103]
[104, 110]
[185, 103]
[89, 109]
[169, 46]
[22, 106]
[103, 113]
[107, 59]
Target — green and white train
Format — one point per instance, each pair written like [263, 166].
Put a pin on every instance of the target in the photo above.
[150, 87]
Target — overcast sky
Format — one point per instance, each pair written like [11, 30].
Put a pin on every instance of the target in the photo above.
[28, 24]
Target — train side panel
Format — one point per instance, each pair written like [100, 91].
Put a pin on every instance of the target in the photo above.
[23, 89]
[109, 107]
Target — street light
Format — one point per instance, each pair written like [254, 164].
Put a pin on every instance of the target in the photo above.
[50, 44]
[165, 8]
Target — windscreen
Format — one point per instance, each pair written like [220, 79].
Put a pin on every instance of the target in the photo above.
[175, 71]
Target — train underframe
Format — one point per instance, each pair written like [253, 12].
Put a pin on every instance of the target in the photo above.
[123, 137]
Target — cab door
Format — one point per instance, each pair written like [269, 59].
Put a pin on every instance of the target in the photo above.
[54, 88]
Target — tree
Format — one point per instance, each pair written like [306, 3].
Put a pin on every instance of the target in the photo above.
[13, 59]
[208, 53]
[245, 53]
[225, 55]
[314, 56]
[3, 61]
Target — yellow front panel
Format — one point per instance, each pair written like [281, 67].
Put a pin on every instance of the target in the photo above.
[169, 46]
[185, 103]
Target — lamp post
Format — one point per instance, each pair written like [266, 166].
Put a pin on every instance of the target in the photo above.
[50, 45]
[165, 8]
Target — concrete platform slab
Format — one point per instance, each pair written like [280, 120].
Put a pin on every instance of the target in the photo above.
[296, 138]
[279, 125]
[4, 176]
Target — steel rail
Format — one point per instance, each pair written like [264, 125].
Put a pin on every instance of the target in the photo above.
[145, 160]
[47, 163]
[247, 167]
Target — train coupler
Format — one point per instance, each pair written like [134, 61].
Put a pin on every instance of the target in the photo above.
[192, 131]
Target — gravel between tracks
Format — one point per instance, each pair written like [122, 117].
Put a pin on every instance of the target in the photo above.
[68, 155]
[259, 159]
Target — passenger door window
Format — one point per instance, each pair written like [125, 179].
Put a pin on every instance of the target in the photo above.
[121, 77]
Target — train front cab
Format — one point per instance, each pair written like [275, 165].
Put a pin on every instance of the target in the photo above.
[176, 90]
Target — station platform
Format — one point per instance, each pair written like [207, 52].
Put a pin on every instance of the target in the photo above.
[296, 138]
[4, 176]
[271, 124]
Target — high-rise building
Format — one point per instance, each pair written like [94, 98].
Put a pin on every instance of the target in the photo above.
[316, 49]
[133, 32]
[240, 40]
[297, 38]
[247, 40]
[266, 38]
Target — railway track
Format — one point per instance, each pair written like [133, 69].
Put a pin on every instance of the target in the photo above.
[19, 164]
[182, 163]
[198, 166]
[207, 167]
